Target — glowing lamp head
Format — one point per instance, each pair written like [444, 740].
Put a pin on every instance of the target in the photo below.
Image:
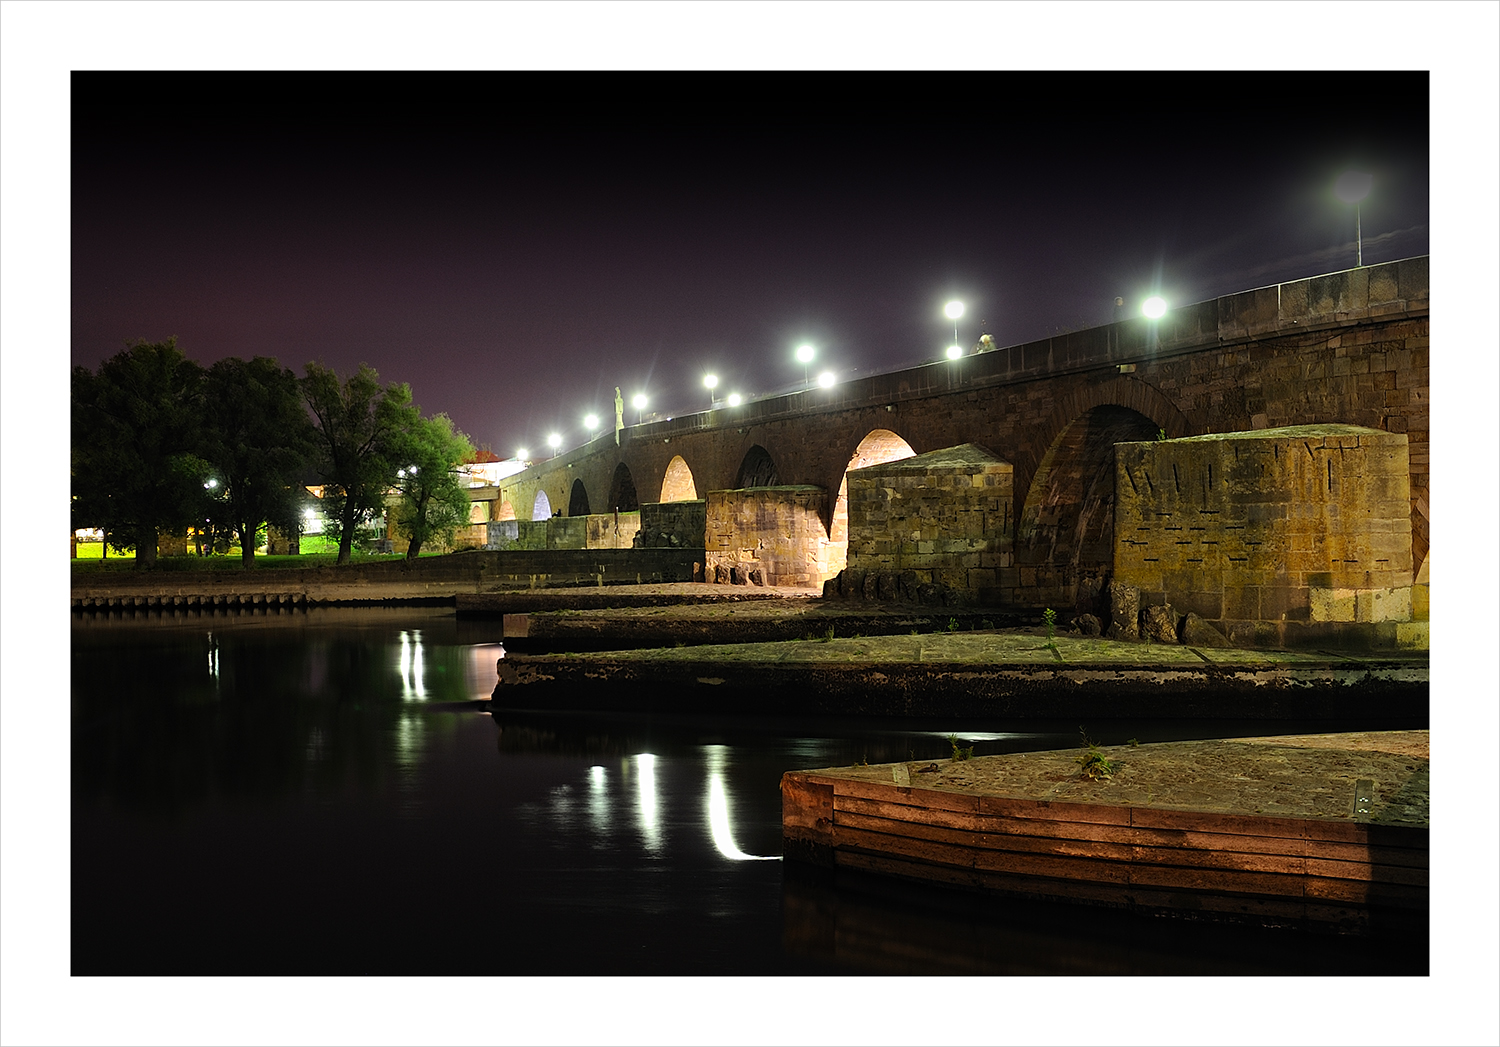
[591, 421]
[520, 454]
[211, 484]
[1154, 308]
[1353, 186]
[554, 440]
[826, 379]
[734, 399]
[954, 352]
[638, 401]
[710, 381]
[804, 354]
[953, 310]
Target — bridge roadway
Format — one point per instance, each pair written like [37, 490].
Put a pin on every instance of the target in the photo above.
[1347, 347]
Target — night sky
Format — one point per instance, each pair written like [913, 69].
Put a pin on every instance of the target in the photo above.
[516, 245]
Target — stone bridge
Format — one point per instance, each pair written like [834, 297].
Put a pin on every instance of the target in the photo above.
[1348, 348]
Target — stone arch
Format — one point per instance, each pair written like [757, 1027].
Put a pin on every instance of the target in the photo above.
[622, 497]
[505, 511]
[541, 509]
[677, 485]
[757, 469]
[578, 500]
[1066, 532]
[878, 446]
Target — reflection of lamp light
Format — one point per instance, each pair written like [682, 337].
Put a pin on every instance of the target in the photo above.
[718, 811]
[645, 769]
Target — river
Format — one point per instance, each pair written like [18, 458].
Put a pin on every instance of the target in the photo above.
[325, 792]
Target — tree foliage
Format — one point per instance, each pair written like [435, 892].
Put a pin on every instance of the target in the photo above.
[258, 440]
[434, 496]
[359, 428]
[136, 442]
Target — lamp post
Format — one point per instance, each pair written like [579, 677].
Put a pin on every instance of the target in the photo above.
[638, 401]
[710, 381]
[521, 454]
[1352, 187]
[805, 354]
[953, 310]
[554, 441]
[591, 423]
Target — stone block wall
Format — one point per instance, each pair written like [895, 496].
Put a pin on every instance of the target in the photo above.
[941, 520]
[567, 532]
[612, 530]
[672, 525]
[1297, 536]
[774, 534]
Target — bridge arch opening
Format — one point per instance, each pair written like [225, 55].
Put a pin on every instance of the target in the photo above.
[505, 511]
[677, 485]
[541, 509]
[622, 497]
[757, 469]
[878, 446]
[578, 501]
[1067, 524]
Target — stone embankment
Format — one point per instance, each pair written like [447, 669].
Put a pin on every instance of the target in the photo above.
[997, 673]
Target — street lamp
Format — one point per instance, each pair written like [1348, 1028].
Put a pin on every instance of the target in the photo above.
[638, 401]
[953, 310]
[554, 441]
[710, 381]
[805, 353]
[826, 379]
[520, 454]
[591, 423]
[1154, 308]
[1352, 187]
[734, 399]
[954, 352]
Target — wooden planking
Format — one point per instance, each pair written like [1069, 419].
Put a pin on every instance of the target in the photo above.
[899, 818]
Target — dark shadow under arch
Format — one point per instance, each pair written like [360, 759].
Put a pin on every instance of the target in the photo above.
[1066, 529]
[622, 497]
[757, 469]
[578, 501]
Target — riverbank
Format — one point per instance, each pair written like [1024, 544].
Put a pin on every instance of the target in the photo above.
[1312, 831]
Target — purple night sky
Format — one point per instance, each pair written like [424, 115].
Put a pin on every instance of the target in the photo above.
[516, 245]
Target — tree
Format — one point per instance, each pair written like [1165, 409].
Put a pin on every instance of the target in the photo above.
[358, 425]
[257, 439]
[137, 435]
[434, 497]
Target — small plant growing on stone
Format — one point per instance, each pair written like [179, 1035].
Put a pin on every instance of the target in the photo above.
[826, 636]
[953, 625]
[959, 753]
[1092, 764]
[1161, 434]
[986, 624]
[1049, 618]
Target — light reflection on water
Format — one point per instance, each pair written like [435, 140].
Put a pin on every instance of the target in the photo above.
[233, 788]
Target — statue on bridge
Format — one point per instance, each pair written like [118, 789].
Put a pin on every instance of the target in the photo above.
[619, 415]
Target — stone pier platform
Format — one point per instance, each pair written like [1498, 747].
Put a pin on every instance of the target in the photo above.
[1314, 831]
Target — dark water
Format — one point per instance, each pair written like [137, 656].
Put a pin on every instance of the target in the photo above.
[323, 792]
